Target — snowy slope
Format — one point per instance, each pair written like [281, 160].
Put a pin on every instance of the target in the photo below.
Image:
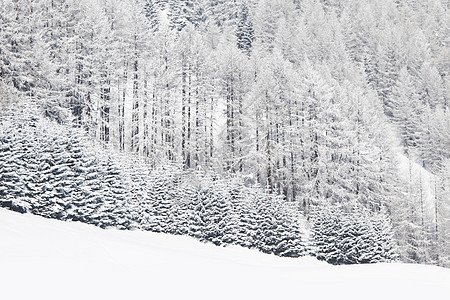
[422, 182]
[49, 259]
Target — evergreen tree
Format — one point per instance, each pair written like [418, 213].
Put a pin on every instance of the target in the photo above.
[245, 31]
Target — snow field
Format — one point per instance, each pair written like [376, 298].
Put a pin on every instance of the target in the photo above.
[49, 259]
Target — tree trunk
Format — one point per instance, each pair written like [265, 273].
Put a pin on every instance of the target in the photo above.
[105, 98]
[135, 113]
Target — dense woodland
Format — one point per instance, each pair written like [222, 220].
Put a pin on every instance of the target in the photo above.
[250, 122]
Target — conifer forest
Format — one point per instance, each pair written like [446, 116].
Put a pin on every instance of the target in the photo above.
[295, 127]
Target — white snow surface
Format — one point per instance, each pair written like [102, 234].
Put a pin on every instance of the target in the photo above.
[50, 259]
[423, 184]
[421, 179]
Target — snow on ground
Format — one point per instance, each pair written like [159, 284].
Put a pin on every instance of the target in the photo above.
[419, 177]
[422, 183]
[49, 259]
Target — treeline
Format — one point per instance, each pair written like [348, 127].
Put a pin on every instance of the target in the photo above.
[54, 171]
[309, 99]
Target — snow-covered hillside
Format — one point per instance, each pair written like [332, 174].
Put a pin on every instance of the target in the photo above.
[423, 182]
[48, 259]
[232, 120]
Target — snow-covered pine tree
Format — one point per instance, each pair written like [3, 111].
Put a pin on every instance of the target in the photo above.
[244, 31]
[290, 235]
[233, 88]
[352, 235]
[243, 201]
[17, 39]
[14, 150]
